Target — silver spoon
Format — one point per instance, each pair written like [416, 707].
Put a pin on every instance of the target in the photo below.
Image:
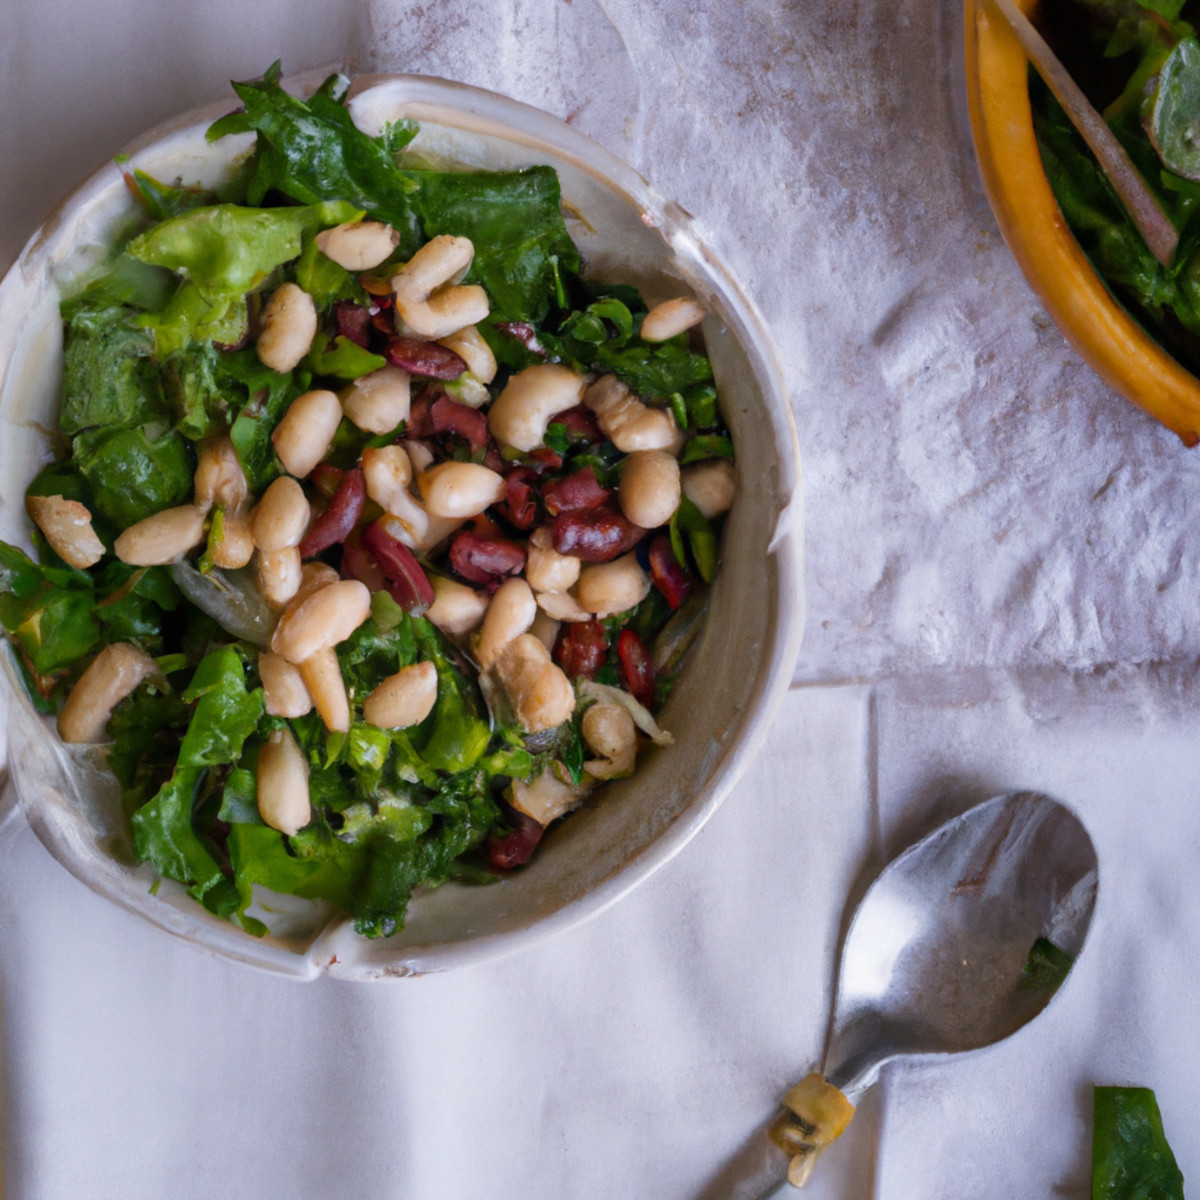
[942, 955]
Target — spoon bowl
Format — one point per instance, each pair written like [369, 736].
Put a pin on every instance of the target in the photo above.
[962, 940]
[937, 957]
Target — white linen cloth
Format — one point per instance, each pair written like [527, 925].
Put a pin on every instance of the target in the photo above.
[1002, 593]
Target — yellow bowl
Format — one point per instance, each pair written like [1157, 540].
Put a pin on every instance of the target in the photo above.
[1099, 328]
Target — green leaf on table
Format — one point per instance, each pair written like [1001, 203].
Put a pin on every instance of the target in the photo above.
[1131, 1159]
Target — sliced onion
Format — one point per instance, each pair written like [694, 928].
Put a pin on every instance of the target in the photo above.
[601, 692]
[230, 598]
[677, 635]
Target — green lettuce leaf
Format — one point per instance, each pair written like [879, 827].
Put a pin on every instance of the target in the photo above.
[109, 376]
[135, 472]
[167, 830]
[312, 150]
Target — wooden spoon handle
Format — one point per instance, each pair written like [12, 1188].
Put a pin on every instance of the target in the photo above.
[1142, 205]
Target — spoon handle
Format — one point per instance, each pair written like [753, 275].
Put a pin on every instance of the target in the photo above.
[1142, 205]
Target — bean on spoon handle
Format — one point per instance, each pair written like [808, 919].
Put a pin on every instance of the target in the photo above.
[1142, 205]
[815, 1114]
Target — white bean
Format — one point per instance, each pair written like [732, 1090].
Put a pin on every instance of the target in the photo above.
[628, 423]
[358, 245]
[541, 694]
[710, 486]
[403, 699]
[282, 515]
[302, 437]
[67, 525]
[287, 328]
[456, 609]
[283, 800]
[610, 733]
[420, 454]
[111, 676]
[387, 472]
[545, 628]
[670, 318]
[562, 606]
[547, 797]
[509, 615]
[650, 489]
[329, 616]
[162, 538]
[235, 546]
[284, 692]
[427, 300]
[469, 344]
[460, 489]
[378, 402]
[322, 675]
[612, 587]
[219, 477]
[545, 569]
[530, 398]
[313, 577]
[279, 574]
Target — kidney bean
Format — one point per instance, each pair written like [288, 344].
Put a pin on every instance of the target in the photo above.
[420, 416]
[429, 359]
[519, 506]
[484, 526]
[637, 667]
[353, 322]
[581, 648]
[665, 572]
[578, 492]
[406, 581]
[580, 422]
[326, 478]
[482, 559]
[523, 332]
[599, 535]
[545, 460]
[357, 563]
[513, 849]
[339, 518]
[448, 416]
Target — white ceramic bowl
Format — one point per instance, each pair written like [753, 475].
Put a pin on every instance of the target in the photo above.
[721, 708]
